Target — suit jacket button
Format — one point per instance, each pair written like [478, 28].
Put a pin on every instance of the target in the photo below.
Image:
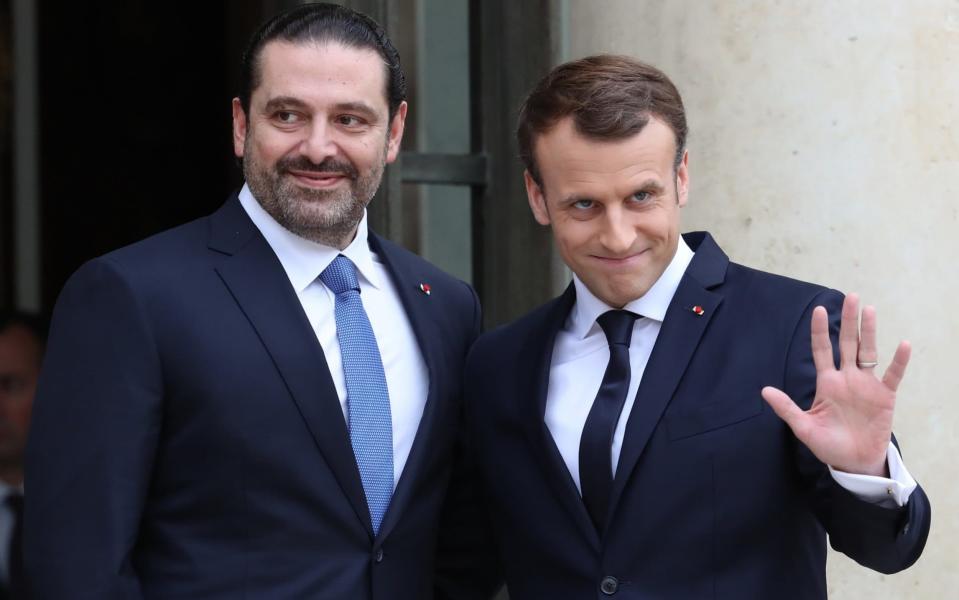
[609, 585]
[378, 556]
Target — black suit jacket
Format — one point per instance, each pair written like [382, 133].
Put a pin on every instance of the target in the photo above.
[188, 441]
[713, 496]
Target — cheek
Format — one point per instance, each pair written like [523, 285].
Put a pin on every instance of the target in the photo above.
[573, 235]
[361, 153]
[660, 226]
[271, 145]
[22, 416]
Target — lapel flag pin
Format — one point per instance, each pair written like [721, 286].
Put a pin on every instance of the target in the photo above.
[425, 288]
[698, 310]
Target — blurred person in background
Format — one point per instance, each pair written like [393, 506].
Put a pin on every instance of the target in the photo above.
[22, 337]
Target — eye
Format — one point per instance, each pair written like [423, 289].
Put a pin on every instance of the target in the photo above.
[349, 120]
[11, 385]
[286, 117]
[584, 204]
[641, 196]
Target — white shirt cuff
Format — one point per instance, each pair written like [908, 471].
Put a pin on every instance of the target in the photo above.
[888, 493]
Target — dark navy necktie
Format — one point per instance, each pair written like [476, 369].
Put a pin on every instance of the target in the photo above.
[368, 399]
[595, 446]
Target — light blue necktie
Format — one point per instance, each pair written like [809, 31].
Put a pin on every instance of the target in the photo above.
[368, 399]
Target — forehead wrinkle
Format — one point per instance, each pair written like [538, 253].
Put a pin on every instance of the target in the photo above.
[581, 167]
[643, 177]
[326, 70]
[17, 343]
[602, 160]
[655, 133]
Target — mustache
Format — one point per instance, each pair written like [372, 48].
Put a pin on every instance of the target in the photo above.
[329, 165]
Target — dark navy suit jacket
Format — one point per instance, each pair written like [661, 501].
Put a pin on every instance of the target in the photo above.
[188, 441]
[713, 495]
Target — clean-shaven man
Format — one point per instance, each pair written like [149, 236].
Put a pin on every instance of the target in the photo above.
[623, 432]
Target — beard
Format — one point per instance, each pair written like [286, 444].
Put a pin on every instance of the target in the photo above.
[327, 217]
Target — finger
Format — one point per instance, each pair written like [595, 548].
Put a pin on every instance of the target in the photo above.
[867, 336]
[849, 331]
[897, 368]
[787, 410]
[820, 341]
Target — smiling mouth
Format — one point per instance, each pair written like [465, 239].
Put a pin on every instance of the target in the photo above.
[319, 180]
[619, 261]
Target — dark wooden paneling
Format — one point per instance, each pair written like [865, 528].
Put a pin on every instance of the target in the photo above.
[513, 43]
[6, 157]
[386, 211]
[451, 169]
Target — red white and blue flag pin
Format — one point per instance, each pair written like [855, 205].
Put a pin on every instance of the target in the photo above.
[425, 288]
[698, 310]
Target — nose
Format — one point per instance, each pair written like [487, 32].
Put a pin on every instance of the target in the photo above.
[318, 145]
[618, 233]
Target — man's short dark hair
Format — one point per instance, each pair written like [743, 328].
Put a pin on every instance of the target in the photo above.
[322, 23]
[34, 323]
[609, 97]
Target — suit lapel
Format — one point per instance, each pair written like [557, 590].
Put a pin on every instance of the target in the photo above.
[260, 286]
[681, 332]
[418, 306]
[536, 359]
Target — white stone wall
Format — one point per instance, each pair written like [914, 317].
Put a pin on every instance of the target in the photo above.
[825, 146]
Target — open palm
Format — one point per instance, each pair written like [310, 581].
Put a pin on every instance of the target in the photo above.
[849, 424]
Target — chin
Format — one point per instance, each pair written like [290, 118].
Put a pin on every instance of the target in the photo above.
[613, 299]
[627, 291]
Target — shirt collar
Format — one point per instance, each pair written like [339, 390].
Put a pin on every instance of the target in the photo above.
[652, 304]
[302, 259]
[8, 490]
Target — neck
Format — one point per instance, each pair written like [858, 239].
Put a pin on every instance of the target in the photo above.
[11, 475]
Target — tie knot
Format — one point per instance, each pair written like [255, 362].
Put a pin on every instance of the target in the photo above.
[340, 276]
[618, 326]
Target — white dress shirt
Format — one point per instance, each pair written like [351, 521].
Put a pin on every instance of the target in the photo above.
[407, 377]
[580, 355]
[7, 523]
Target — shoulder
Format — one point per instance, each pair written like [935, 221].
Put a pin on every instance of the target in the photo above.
[164, 258]
[745, 286]
[769, 292]
[165, 247]
[159, 264]
[425, 275]
[504, 347]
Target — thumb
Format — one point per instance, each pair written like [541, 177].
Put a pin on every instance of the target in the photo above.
[787, 410]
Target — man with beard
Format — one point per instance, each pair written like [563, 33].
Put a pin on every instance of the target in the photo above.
[262, 403]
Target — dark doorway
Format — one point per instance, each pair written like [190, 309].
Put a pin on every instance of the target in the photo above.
[134, 121]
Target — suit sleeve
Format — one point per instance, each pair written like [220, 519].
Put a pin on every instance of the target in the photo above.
[94, 432]
[466, 564]
[887, 540]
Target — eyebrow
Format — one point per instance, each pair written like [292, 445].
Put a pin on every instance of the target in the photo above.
[284, 102]
[358, 107]
[649, 185]
[652, 185]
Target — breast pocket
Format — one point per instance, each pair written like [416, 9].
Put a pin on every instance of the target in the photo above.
[694, 420]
